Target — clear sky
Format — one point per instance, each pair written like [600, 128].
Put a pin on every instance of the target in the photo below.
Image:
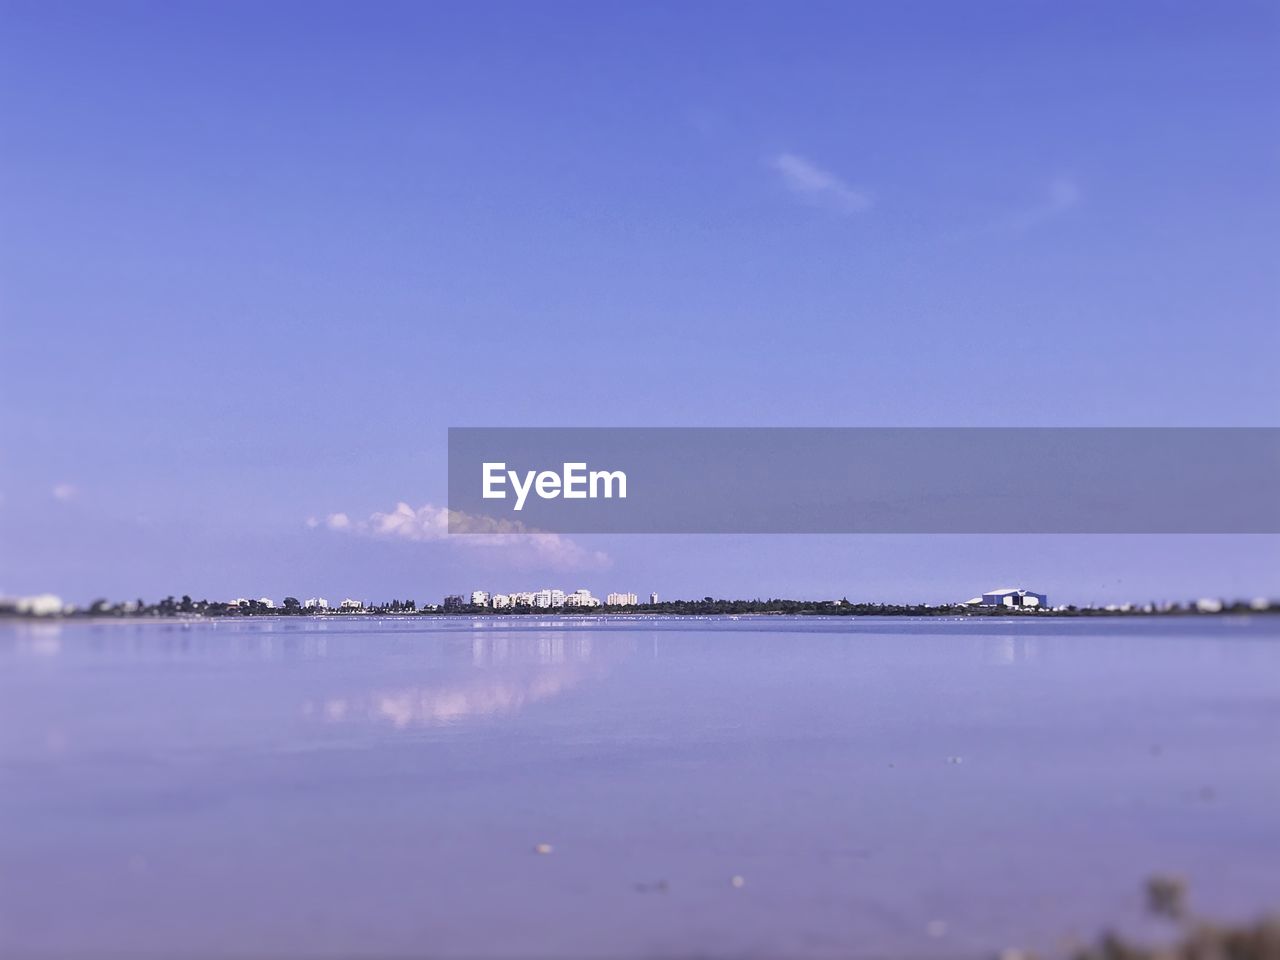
[256, 258]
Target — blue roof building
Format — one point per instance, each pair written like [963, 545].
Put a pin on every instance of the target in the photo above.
[1010, 597]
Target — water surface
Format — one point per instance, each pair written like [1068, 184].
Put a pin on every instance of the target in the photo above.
[358, 786]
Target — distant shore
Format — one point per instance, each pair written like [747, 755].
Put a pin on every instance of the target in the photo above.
[202, 610]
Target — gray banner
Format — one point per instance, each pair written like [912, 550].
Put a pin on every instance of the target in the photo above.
[864, 480]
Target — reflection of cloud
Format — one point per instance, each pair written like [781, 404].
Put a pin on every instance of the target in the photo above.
[818, 186]
[428, 707]
[509, 680]
[509, 539]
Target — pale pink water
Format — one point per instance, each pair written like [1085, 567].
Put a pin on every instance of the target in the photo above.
[363, 787]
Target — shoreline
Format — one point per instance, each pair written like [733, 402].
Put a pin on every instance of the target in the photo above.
[1011, 616]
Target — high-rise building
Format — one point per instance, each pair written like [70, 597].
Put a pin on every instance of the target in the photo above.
[581, 598]
[653, 598]
[620, 600]
[454, 601]
[500, 601]
[479, 598]
[316, 603]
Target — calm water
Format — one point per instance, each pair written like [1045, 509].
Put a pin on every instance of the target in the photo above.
[378, 787]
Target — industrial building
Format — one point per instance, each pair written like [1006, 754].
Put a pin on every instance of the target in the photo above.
[1009, 597]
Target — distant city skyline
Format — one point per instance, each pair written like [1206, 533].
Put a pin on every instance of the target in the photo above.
[1013, 599]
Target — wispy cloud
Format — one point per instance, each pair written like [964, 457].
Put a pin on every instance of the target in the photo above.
[65, 492]
[819, 187]
[505, 541]
[1061, 195]
[1055, 200]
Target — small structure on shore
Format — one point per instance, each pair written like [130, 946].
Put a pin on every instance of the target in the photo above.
[1009, 597]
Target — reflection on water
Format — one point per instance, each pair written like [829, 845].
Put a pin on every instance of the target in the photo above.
[168, 639]
[429, 706]
[545, 648]
[715, 787]
[1007, 651]
[511, 672]
[37, 639]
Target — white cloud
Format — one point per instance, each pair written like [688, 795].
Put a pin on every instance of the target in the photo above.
[1057, 198]
[508, 541]
[1064, 193]
[818, 186]
[1061, 195]
[334, 521]
[65, 492]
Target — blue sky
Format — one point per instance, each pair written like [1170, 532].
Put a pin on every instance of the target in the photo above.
[256, 258]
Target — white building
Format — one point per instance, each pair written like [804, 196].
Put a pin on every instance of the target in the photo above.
[500, 601]
[38, 605]
[349, 604]
[548, 598]
[1009, 597]
[653, 598]
[620, 600]
[316, 603]
[523, 599]
[581, 598]
[267, 602]
[479, 598]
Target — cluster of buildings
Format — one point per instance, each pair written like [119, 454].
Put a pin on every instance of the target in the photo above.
[547, 599]
[320, 603]
[311, 603]
[39, 605]
[550, 599]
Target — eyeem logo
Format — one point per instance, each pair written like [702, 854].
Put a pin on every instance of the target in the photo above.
[575, 482]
